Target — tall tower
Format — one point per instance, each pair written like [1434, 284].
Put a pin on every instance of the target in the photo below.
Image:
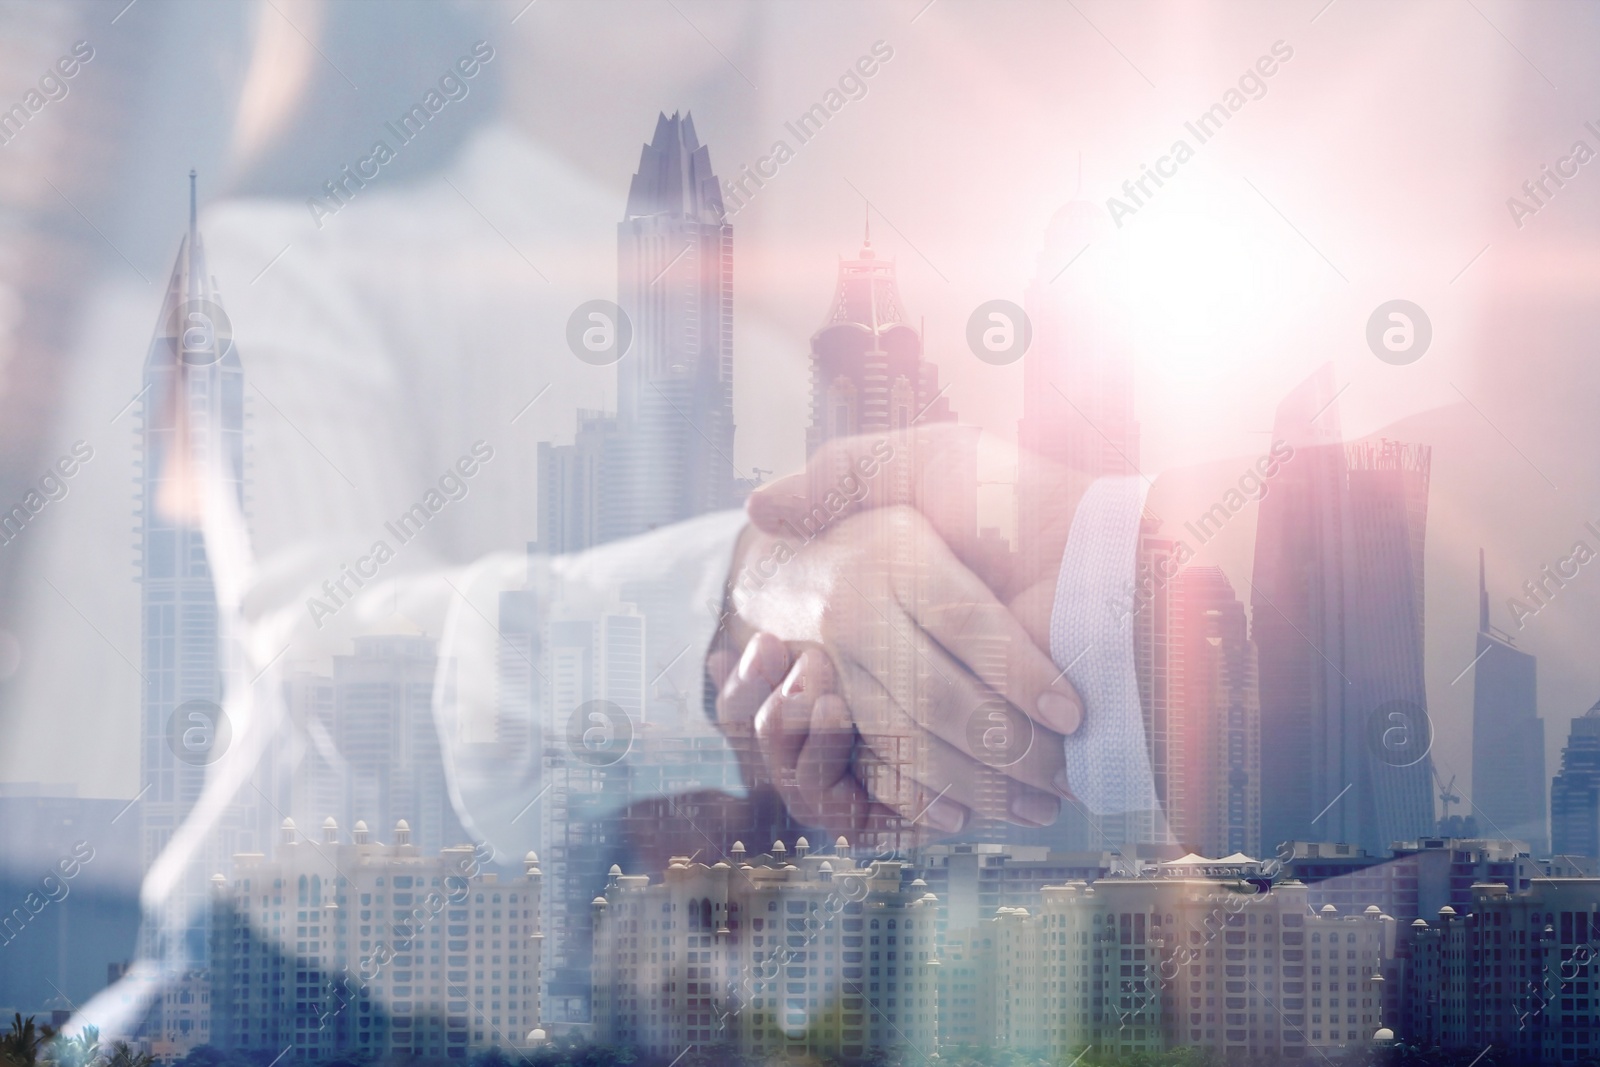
[1384, 745]
[674, 455]
[1297, 614]
[1214, 791]
[192, 442]
[1575, 791]
[1337, 617]
[665, 456]
[1507, 733]
[869, 376]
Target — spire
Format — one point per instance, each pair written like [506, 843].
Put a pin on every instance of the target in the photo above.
[192, 289]
[675, 178]
[867, 293]
[1483, 597]
[866, 231]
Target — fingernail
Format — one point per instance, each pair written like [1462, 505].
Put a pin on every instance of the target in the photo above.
[945, 815]
[769, 505]
[1034, 809]
[747, 662]
[1059, 712]
[796, 682]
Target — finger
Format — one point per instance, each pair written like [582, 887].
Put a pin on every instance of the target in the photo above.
[916, 807]
[783, 720]
[952, 705]
[751, 682]
[845, 475]
[741, 696]
[824, 758]
[940, 770]
[825, 779]
[830, 798]
[941, 698]
[1024, 793]
[829, 791]
[760, 669]
[955, 608]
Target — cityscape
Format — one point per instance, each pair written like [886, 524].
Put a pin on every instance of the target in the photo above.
[511, 812]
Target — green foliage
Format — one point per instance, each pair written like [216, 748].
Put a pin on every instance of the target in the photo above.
[991, 1056]
[27, 1045]
[80, 1051]
[1183, 1056]
[123, 1055]
[21, 1047]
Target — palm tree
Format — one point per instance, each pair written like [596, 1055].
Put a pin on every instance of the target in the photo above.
[123, 1055]
[80, 1051]
[20, 1048]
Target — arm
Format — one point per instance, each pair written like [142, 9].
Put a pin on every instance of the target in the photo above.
[515, 718]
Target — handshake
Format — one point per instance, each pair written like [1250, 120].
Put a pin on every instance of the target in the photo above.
[881, 667]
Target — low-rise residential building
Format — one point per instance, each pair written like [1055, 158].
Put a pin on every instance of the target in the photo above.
[357, 946]
[780, 954]
[1416, 880]
[1520, 971]
[1148, 964]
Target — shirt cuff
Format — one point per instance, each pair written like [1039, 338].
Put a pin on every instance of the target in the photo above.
[1091, 640]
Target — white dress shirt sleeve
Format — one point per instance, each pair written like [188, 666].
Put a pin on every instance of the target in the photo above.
[1091, 639]
[572, 734]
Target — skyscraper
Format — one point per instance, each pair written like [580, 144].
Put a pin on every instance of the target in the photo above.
[667, 454]
[1154, 605]
[869, 375]
[571, 478]
[868, 372]
[373, 745]
[1337, 617]
[1297, 614]
[1384, 746]
[1214, 801]
[675, 387]
[192, 443]
[1575, 791]
[1507, 733]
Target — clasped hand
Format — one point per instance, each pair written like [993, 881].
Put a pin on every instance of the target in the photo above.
[881, 675]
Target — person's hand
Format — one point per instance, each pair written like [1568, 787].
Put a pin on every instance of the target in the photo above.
[804, 740]
[931, 666]
[929, 468]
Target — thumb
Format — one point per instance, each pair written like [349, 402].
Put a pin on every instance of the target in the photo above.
[930, 468]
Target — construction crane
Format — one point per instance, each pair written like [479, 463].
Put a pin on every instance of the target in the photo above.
[1447, 793]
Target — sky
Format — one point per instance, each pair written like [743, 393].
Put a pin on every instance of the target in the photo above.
[1375, 165]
